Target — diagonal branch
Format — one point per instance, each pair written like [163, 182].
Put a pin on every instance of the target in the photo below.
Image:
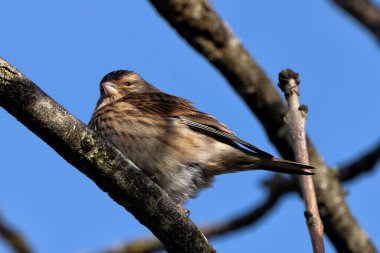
[13, 238]
[363, 164]
[201, 27]
[107, 167]
[277, 186]
[366, 12]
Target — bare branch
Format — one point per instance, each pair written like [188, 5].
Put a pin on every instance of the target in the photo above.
[13, 238]
[296, 121]
[363, 164]
[201, 27]
[107, 167]
[277, 187]
[149, 245]
[366, 12]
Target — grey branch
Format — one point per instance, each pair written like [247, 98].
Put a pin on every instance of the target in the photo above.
[107, 167]
[13, 238]
[277, 187]
[296, 121]
[366, 12]
[201, 27]
[363, 164]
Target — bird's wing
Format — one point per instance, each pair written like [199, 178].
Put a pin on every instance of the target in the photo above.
[165, 105]
[217, 132]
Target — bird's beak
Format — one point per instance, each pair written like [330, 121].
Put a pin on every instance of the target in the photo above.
[109, 89]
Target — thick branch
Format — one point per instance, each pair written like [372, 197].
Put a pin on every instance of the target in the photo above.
[296, 121]
[13, 238]
[277, 187]
[363, 164]
[107, 167]
[366, 12]
[201, 27]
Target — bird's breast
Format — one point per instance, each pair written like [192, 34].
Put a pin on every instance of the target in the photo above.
[164, 148]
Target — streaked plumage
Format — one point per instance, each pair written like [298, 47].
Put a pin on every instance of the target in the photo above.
[179, 147]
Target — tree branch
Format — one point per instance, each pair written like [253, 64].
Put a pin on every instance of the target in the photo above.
[107, 167]
[277, 186]
[361, 165]
[296, 121]
[366, 12]
[13, 238]
[201, 27]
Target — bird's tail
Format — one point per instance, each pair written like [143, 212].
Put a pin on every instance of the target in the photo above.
[284, 166]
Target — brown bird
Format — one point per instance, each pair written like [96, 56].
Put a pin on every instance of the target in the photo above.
[177, 146]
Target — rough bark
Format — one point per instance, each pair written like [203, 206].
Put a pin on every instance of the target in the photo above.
[107, 167]
[202, 28]
[277, 187]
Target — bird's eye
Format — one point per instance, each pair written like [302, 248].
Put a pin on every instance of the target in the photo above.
[128, 83]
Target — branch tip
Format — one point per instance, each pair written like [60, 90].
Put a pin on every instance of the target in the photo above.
[288, 80]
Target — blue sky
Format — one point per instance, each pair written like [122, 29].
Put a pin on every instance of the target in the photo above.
[67, 47]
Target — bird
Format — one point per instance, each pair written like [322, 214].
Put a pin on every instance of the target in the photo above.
[179, 147]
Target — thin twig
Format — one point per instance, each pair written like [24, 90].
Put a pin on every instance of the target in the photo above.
[296, 120]
[365, 163]
[13, 238]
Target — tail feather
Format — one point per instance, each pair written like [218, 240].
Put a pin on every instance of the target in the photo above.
[285, 166]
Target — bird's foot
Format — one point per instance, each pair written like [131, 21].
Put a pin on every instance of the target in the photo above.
[185, 211]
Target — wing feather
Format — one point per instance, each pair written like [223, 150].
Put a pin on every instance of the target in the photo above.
[165, 105]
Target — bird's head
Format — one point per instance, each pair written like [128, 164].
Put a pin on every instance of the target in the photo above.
[120, 83]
